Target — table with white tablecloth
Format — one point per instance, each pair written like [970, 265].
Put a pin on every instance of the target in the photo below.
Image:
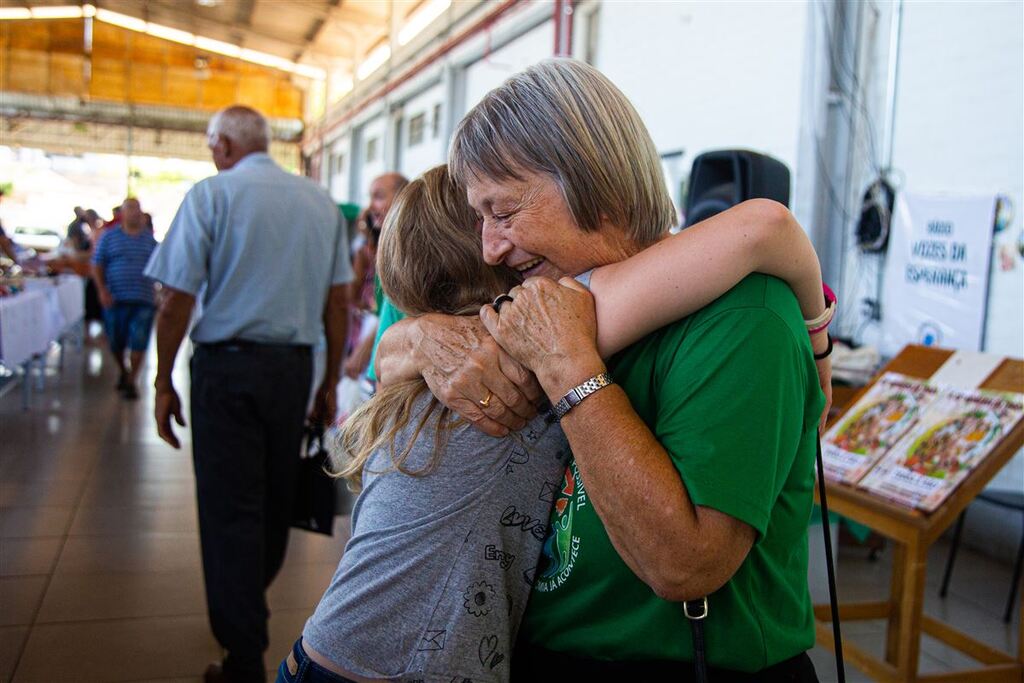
[46, 311]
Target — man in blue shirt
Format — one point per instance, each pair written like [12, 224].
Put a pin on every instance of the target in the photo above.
[125, 293]
[267, 252]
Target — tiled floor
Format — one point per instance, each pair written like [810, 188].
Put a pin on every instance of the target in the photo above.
[100, 577]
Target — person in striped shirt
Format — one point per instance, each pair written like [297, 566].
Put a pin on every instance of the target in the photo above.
[125, 293]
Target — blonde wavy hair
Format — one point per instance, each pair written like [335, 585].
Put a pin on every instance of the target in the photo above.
[564, 118]
[429, 260]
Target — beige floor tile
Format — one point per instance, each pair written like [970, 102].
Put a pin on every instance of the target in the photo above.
[138, 493]
[122, 650]
[60, 466]
[144, 466]
[82, 597]
[300, 586]
[24, 556]
[19, 598]
[125, 521]
[12, 640]
[32, 522]
[137, 553]
[285, 627]
[43, 493]
[305, 547]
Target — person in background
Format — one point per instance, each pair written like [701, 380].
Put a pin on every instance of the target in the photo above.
[269, 251]
[125, 293]
[383, 191]
[6, 244]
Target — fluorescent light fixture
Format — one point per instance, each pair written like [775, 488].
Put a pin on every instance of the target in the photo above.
[15, 13]
[61, 12]
[122, 20]
[220, 47]
[257, 57]
[314, 72]
[166, 33]
[421, 18]
[374, 61]
[171, 34]
[341, 85]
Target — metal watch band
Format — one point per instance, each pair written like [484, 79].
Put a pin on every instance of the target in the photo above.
[578, 393]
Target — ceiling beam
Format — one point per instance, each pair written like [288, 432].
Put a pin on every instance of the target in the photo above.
[171, 14]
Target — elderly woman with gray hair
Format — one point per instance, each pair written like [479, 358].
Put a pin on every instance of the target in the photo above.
[693, 447]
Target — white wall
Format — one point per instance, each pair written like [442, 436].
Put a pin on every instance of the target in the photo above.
[339, 178]
[489, 72]
[709, 75]
[416, 159]
[958, 124]
[375, 128]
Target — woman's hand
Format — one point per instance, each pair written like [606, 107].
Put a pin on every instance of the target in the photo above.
[468, 372]
[819, 342]
[551, 328]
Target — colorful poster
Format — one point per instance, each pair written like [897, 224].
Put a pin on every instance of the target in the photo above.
[954, 433]
[872, 426]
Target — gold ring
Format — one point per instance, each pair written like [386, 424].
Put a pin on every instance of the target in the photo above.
[484, 402]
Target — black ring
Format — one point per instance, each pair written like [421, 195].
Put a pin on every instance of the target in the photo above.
[499, 300]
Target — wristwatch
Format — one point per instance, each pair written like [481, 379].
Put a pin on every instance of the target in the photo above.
[578, 393]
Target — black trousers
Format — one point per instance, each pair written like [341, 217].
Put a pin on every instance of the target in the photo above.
[248, 410]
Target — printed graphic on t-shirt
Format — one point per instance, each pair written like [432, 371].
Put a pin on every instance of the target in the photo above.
[561, 547]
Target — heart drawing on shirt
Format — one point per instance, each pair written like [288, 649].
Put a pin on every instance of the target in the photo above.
[487, 652]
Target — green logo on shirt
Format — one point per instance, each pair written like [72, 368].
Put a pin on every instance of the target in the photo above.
[561, 547]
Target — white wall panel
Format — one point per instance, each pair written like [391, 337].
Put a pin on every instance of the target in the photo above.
[431, 150]
[709, 75]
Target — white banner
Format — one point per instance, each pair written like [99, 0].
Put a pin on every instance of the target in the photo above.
[936, 273]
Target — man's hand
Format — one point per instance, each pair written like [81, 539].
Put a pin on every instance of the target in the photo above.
[168, 404]
[106, 298]
[324, 405]
[463, 366]
[551, 328]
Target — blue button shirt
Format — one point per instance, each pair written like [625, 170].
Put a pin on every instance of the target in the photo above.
[266, 245]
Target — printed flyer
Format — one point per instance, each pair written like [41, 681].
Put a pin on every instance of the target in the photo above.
[872, 426]
[953, 434]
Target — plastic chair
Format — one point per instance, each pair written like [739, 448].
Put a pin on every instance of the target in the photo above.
[1004, 499]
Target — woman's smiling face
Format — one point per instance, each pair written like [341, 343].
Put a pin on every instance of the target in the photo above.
[526, 225]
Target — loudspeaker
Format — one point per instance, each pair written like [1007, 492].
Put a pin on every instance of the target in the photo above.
[724, 178]
[875, 216]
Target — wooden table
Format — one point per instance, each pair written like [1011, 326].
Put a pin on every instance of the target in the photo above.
[912, 533]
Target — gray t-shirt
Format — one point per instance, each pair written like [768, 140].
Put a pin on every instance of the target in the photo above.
[435, 578]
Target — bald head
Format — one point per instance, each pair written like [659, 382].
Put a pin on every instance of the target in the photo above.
[235, 132]
[383, 190]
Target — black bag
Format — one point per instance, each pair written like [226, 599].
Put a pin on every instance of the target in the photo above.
[314, 502]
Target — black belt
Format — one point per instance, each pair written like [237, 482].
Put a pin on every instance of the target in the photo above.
[246, 346]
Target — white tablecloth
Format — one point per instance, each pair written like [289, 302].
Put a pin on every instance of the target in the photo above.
[31, 319]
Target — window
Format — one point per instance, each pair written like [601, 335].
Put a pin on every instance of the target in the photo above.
[417, 124]
[339, 164]
[371, 150]
[437, 120]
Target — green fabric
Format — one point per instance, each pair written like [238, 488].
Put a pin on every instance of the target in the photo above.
[732, 394]
[350, 212]
[389, 315]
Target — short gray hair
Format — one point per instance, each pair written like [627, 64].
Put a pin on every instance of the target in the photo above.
[242, 125]
[564, 118]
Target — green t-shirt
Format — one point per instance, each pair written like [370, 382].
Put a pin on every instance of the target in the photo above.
[732, 394]
[388, 315]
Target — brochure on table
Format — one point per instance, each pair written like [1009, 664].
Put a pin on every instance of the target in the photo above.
[913, 442]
